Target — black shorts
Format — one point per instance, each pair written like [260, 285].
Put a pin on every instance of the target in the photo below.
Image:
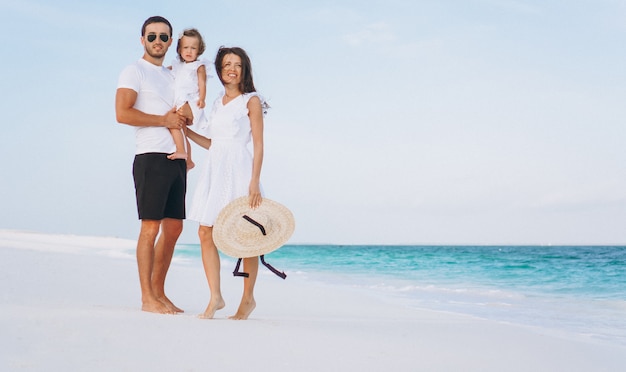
[160, 186]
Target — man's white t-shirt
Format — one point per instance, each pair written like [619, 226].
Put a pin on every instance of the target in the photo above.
[155, 95]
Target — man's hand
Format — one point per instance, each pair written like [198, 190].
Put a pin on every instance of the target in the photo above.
[173, 120]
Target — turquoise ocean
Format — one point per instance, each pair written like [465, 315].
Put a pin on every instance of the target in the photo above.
[576, 289]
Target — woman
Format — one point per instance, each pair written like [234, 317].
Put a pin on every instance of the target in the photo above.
[231, 170]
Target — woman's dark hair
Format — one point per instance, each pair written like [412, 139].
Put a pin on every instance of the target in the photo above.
[246, 85]
[191, 32]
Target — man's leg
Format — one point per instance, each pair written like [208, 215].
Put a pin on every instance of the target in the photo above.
[145, 265]
[164, 250]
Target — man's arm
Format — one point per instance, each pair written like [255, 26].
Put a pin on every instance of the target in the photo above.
[125, 113]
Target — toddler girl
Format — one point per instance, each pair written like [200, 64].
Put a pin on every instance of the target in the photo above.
[190, 80]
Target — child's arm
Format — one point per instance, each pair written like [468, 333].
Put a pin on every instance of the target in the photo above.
[202, 86]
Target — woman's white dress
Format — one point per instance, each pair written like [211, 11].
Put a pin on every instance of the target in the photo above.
[228, 169]
[186, 88]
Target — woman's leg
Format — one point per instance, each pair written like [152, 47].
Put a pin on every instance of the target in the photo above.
[211, 263]
[247, 305]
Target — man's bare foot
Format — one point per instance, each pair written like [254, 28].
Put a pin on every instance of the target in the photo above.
[175, 309]
[155, 306]
[213, 306]
[177, 155]
[245, 309]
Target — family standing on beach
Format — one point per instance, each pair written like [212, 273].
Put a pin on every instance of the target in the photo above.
[161, 102]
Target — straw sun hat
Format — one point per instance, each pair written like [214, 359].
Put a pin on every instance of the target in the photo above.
[241, 231]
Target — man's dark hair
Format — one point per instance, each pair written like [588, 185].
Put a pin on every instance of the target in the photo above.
[155, 19]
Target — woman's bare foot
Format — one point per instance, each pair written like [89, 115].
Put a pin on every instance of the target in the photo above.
[177, 155]
[213, 306]
[156, 306]
[245, 309]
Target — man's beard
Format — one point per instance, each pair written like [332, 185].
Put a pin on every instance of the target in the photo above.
[156, 54]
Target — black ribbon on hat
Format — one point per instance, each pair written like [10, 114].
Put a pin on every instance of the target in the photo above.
[249, 219]
[239, 273]
[270, 267]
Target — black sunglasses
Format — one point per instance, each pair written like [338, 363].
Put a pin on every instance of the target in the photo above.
[152, 37]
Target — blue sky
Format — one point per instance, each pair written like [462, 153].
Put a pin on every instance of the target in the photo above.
[410, 122]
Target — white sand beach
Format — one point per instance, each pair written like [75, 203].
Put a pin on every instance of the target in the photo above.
[71, 303]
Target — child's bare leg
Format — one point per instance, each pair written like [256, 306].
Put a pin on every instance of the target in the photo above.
[179, 140]
[190, 163]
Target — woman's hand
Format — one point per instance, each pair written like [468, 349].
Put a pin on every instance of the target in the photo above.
[254, 195]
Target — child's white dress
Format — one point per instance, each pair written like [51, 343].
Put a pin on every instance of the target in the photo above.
[186, 88]
[228, 169]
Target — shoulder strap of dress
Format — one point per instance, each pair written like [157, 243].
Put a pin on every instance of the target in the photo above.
[264, 105]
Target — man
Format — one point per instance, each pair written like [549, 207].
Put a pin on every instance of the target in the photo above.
[145, 100]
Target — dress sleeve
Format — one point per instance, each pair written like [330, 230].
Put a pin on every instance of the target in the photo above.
[264, 105]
